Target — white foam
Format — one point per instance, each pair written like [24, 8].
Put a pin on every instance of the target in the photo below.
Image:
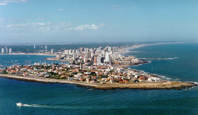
[19, 104]
[162, 77]
[173, 58]
[66, 107]
[195, 83]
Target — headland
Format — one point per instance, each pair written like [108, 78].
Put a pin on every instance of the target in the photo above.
[100, 68]
[144, 86]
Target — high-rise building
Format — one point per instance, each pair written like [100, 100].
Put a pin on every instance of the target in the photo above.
[2, 50]
[45, 48]
[89, 54]
[66, 52]
[99, 60]
[95, 60]
[109, 49]
[6, 50]
[107, 58]
[10, 50]
[52, 51]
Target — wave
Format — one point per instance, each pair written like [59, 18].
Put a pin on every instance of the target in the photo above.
[157, 75]
[136, 46]
[31, 105]
[195, 83]
[173, 58]
[19, 104]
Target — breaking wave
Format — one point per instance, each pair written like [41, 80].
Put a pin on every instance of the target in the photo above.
[173, 58]
[163, 77]
[67, 107]
[195, 83]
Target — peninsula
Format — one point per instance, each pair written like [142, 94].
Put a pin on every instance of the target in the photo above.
[100, 68]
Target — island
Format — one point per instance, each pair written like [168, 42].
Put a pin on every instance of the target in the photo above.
[100, 68]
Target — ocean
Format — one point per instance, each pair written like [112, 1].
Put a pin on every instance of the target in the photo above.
[175, 61]
[7, 60]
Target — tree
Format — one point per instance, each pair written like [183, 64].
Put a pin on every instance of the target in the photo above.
[4, 72]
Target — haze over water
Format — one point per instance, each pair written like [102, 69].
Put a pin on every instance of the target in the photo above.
[59, 99]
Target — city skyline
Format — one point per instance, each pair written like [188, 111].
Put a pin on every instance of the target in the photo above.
[69, 21]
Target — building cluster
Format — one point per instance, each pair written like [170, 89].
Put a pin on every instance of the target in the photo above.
[6, 50]
[89, 65]
[97, 56]
[94, 74]
[43, 49]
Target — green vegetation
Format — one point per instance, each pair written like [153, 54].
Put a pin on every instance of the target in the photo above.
[4, 72]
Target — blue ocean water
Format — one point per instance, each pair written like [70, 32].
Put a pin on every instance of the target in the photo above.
[7, 60]
[177, 61]
[59, 99]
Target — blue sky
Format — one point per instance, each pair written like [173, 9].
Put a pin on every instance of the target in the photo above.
[74, 21]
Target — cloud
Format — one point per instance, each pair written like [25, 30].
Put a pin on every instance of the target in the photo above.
[87, 27]
[47, 27]
[3, 4]
[116, 6]
[60, 9]
[36, 26]
[6, 2]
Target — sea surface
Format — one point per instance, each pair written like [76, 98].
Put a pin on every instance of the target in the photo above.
[7, 60]
[178, 61]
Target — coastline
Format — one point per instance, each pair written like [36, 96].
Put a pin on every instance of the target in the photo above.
[143, 86]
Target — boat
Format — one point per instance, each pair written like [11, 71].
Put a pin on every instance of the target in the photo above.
[19, 104]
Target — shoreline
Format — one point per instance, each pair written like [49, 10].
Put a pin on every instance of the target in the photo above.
[143, 86]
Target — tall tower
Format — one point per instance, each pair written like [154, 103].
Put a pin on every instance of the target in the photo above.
[107, 58]
[10, 50]
[2, 50]
[52, 51]
[99, 60]
[45, 48]
[6, 50]
[95, 60]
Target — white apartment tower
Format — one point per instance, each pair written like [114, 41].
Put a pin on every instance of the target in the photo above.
[10, 50]
[52, 51]
[6, 50]
[2, 50]
[45, 48]
[107, 57]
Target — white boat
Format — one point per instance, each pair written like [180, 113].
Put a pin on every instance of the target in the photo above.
[19, 104]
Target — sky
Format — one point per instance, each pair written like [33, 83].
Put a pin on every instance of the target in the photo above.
[74, 21]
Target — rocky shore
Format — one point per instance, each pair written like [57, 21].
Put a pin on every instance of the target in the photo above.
[142, 85]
